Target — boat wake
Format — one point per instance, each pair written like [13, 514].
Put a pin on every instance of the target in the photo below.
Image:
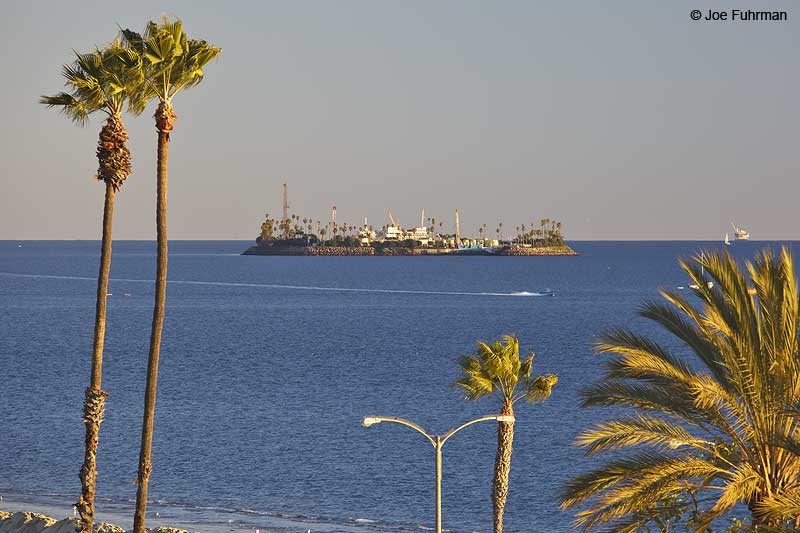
[545, 292]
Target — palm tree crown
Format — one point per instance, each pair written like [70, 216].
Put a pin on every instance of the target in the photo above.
[101, 80]
[172, 63]
[497, 369]
[104, 80]
[719, 422]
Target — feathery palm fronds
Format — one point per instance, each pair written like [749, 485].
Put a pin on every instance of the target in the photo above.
[497, 369]
[102, 80]
[726, 429]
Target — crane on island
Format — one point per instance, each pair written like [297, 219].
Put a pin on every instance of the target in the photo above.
[285, 212]
[458, 230]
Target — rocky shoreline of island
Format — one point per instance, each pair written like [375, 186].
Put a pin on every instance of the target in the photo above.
[279, 249]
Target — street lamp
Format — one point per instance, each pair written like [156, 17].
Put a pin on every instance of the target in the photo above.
[437, 441]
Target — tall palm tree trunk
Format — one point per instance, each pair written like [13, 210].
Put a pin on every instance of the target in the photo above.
[165, 117]
[95, 398]
[502, 466]
[114, 161]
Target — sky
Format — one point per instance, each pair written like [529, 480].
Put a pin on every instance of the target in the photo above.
[623, 120]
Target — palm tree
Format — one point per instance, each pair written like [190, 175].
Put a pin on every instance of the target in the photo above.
[720, 419]
[497, 370]
[102, 80]
[173, 63]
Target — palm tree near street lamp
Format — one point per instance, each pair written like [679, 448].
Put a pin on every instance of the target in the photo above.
[496, 370]
[438, 442]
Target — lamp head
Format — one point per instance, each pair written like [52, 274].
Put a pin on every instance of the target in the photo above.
[505, 418]
[370, 420]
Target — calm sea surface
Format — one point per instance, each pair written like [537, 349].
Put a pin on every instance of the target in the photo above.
[268, 365]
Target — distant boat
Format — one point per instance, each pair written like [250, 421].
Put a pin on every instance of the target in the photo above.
[709, 284]
[727, 240]
[740, 234]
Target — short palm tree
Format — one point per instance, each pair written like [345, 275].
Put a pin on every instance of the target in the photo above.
[715, 409]
[172, 63]
[497, 370]
[103, 80]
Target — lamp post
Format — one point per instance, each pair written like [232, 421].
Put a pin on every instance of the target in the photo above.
[438, 442]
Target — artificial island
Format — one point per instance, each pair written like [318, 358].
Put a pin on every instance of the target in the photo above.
[295, 235]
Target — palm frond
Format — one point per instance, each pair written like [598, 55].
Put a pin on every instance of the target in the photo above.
[644, 475]
[639, 357]
[496, 368]
[668, 398]
[728, 427]
[781, 506]
[540, 388]
[172, 61]
[100, 80]
[743, 483]
[74, 109]
[635, 430]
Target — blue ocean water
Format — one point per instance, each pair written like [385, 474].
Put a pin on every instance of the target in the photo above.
[269, 364]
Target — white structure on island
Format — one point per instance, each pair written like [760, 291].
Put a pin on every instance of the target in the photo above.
[395, 232]
[366, 234]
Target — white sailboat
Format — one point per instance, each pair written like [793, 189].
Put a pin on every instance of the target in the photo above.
[695, 286]
[709, 284]
[727, 240]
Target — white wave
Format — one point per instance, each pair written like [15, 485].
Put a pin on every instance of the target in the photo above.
[287, 287]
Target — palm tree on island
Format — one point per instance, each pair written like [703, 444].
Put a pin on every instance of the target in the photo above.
[173, 63]
[497, 370]
[102, 80]
[720, 421]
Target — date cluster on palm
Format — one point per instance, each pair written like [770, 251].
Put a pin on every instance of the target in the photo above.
[113, 155]
[165, 117]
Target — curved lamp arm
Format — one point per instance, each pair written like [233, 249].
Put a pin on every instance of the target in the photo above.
[370, 420]
[499, 418]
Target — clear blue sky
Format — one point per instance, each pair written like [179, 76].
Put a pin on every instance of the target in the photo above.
[624, 120]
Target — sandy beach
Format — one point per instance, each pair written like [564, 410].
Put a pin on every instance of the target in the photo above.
[24, 513]
[27, 522]
[25, 517]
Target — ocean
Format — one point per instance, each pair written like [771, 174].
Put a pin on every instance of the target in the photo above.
[268, 365]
